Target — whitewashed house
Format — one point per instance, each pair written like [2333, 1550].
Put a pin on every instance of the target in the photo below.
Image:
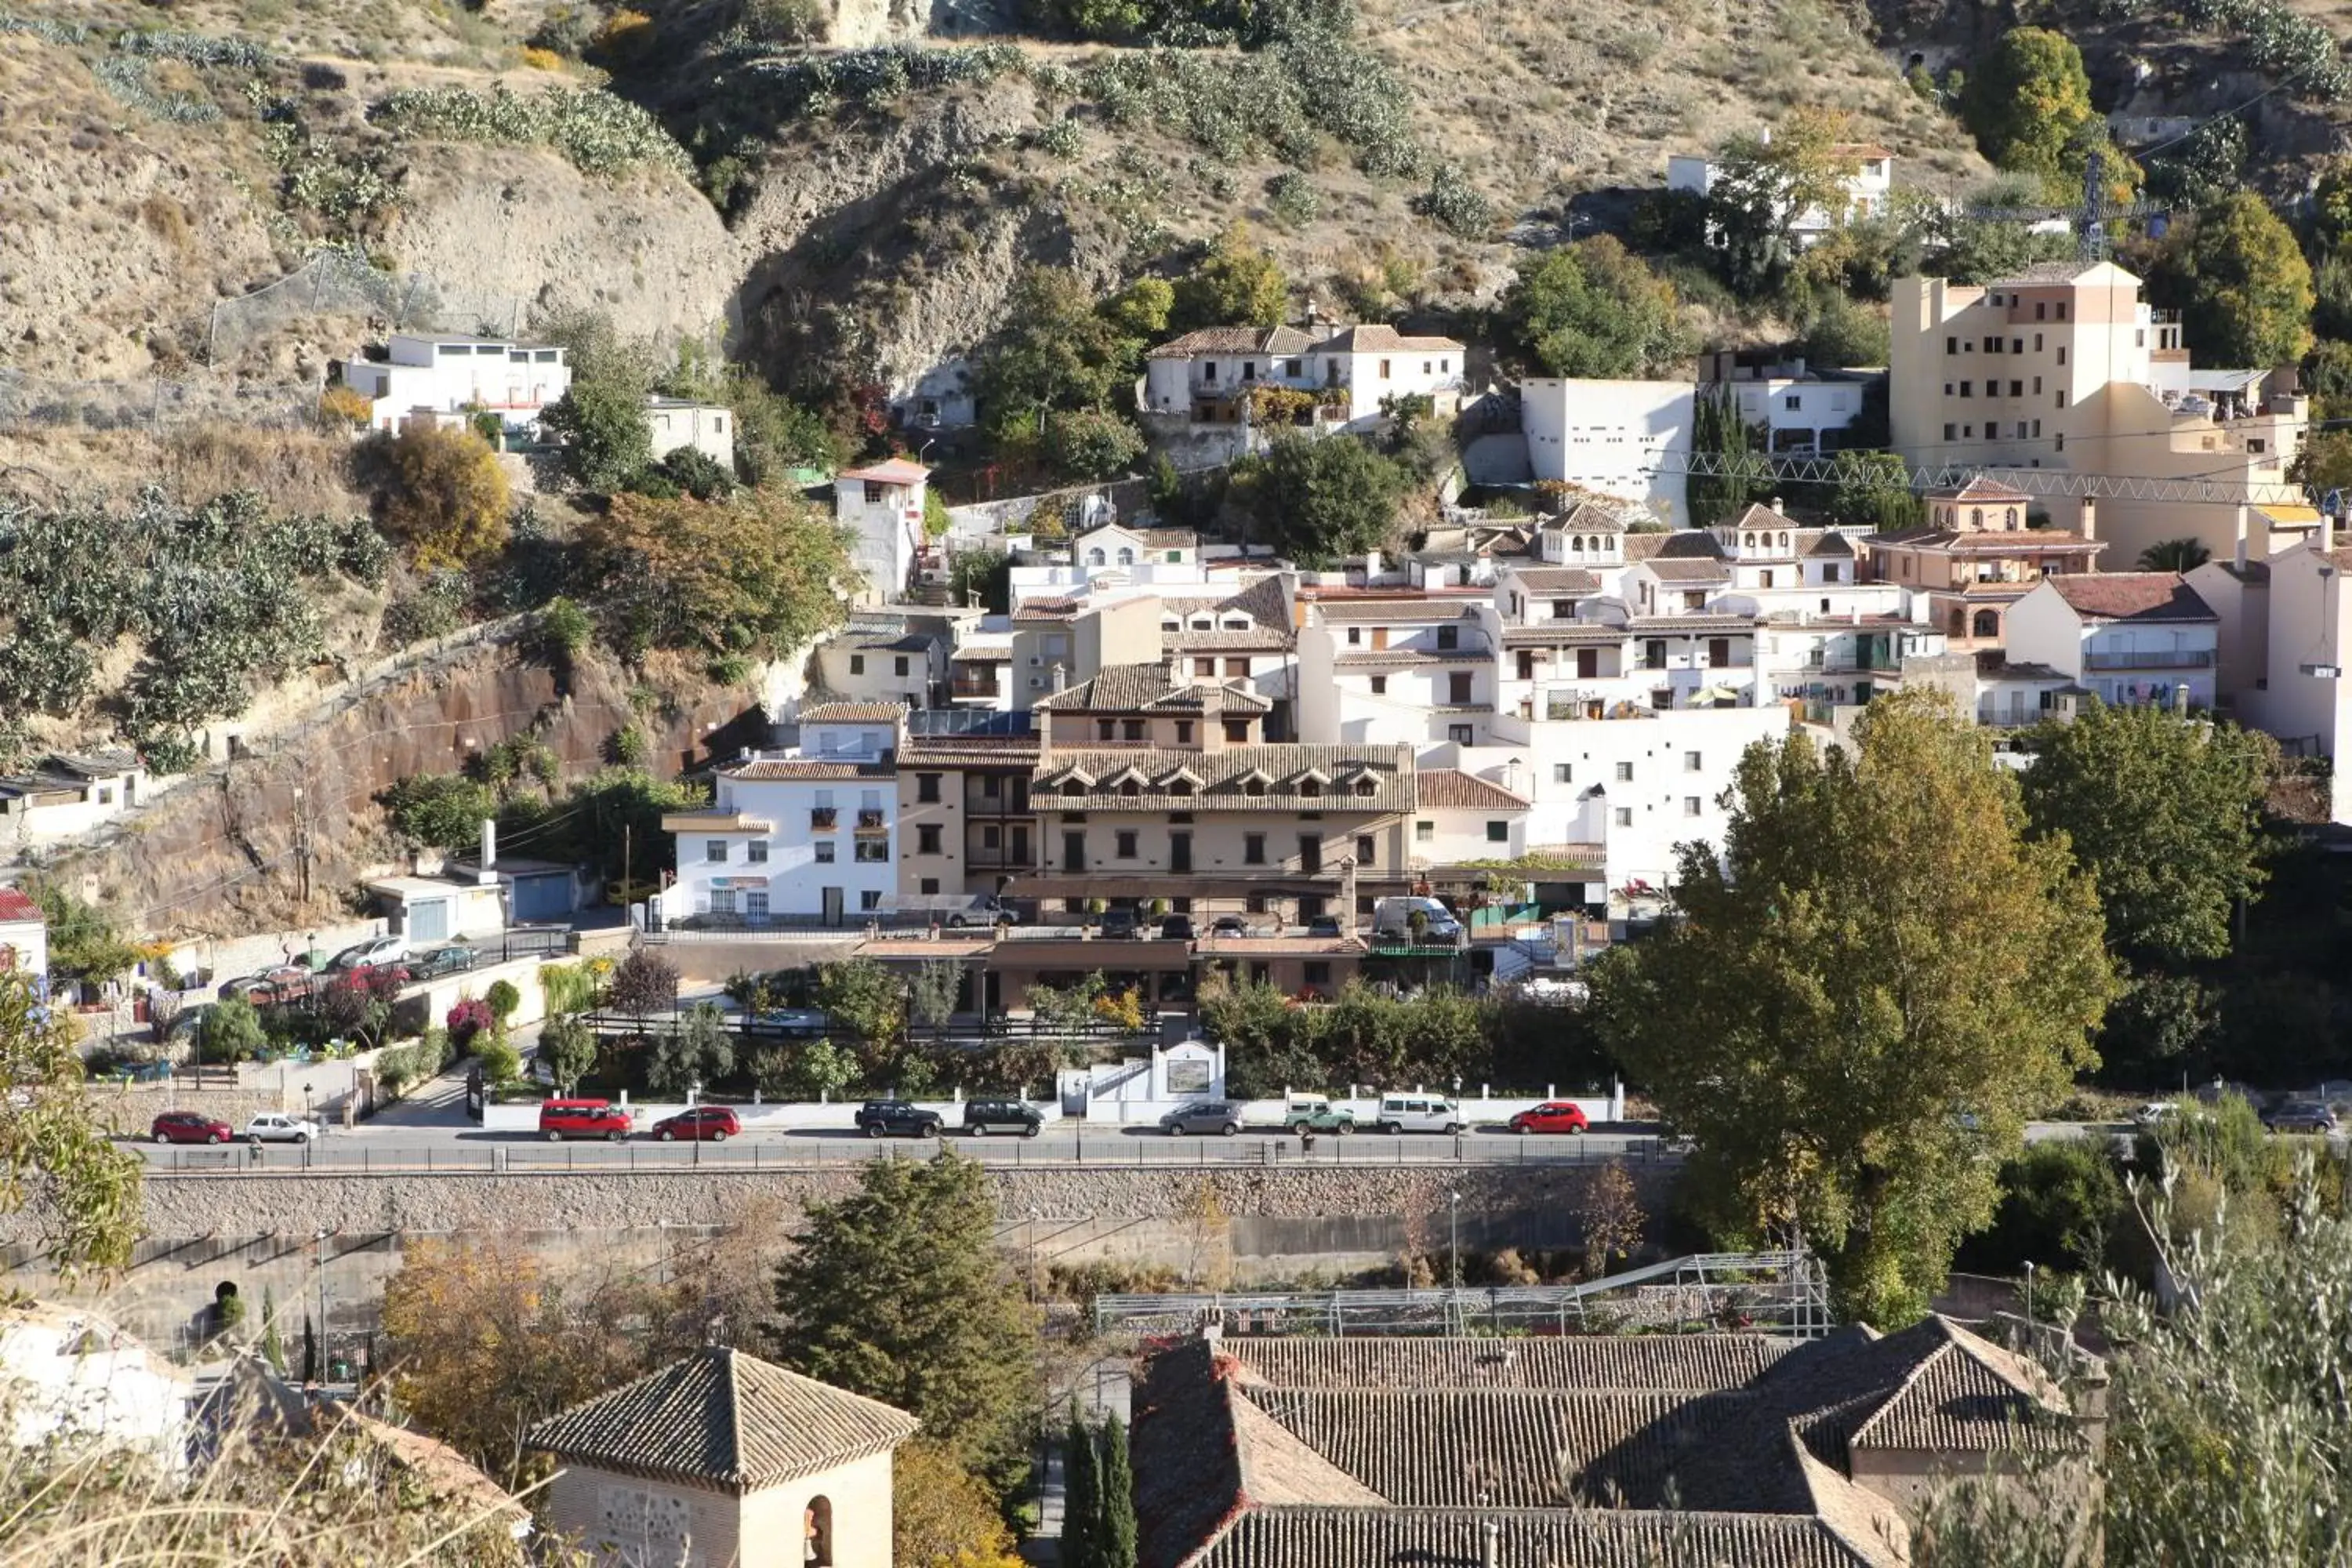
[2130, 638]
[1620, 438]
[881, 504]
[448, 377]
[1354, 372]
[23, 935]
[677, 422]
[1864, 189]
[74, 1379]
[65, 794]
[809, 832]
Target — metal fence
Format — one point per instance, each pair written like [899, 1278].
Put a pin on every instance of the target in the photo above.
[491, 1154]
[339, 284]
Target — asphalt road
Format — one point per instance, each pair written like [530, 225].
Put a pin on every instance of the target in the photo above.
[465, 1148]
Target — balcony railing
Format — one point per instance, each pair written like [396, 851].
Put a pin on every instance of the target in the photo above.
[2154, 658]
[975, 690]
[822, 818]
[869, 821]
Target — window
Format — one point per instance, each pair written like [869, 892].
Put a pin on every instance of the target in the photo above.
[1236, 669]
[1249, 370]
[1130, 728]
[928, 885]
[1253, 849]
[900, 664]
[1290, 368]
[1206, 668]
[2040, 313]
[1184, 732]
[1355, 636]
[756, 852]
[2061, 397]
[1830, 572]
[1106, 729]
[825, 851]
[722, 900]
[1951, 346]
[1461, 734]
[1237, 731]
[1124, 845]
[857, 664]
[2016, 389]
[2061, 353]
[1380, 685]
[874, 850]
[1562, 773]
[1254, 786]
[1448, 638]
[1365, 849]
[1625, 772]
[927, 787]
[2061, 316]
[927, 839]
[1625, 817]
[1209, 372]
[1692, 762]
[1423, 832]
[2062, 441]
[1317, 972]
[1690, 806]
[868, 901]
[1498, 832]
[1952, 432]
[755, 903]
[1964, 386]
[1457, 686]
[1384, 370]
[1310, 787]
[714, 851]
[876, 494]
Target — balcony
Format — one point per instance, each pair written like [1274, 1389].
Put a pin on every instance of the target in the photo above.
[2153, 658]
[823, 820]
[962, 689]
[870, 821]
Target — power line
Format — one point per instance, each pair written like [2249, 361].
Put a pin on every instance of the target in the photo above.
[2188, 489]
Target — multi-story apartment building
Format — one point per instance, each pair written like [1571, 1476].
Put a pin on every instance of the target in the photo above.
[1354, 372]
[1245, 638]
[2061, 366]
[2128, 638]
[1974, 558]
[965, 822]
[1396, 668]
[809, 832]
[1149, 789]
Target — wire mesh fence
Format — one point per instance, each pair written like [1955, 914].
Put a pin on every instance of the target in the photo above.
[335, 285]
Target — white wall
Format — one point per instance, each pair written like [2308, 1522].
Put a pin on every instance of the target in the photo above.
[27, 945]
[1608, 436]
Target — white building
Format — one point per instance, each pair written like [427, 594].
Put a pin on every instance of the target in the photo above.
[2286, 637]
[1353, 373]
[810, 832]
[1612, 437]
[881, 504]
[23, 935]
[66, 794]
[708, 428]
[884, 655]
[1802, 413]
[448, 377]
[1866, 186]
[1459, 818]
[2128, 638]
[74, 1379]
[1395, 669]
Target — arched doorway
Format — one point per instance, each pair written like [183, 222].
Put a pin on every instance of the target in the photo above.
[1987, 624]
[817, 1525]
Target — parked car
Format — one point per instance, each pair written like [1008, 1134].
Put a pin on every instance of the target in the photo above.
[1551, 1116]
[897, 1119]
[1208, 1116]
[797, 1020]
[561, 1118]
[247, 985]
[1393, 919]
[985, 911]
[1418, 1113]
[1118, 923]
[1176, 928]
[273, 1128]
[704, 1123]
[1229, 925]
[981, 1116]
[1312, 1113]
[190, 1126]
[2301, 1116]
[381, 950]
[1323, 926]
[455, 959]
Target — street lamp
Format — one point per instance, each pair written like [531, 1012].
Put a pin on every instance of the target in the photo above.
[2029, 1295]
[1454, 1204]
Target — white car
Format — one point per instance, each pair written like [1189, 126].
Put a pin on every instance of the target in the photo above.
[278, 1128]
[381, 950]
[1417, 1113]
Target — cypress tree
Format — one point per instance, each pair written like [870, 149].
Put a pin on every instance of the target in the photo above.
[1718, 431]
[272, 1349]
[310, 1350]
[1118, 1484]
[1081, 1496]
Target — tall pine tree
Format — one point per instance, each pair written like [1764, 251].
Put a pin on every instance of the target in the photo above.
[1118, 1541]
[1082, 1496]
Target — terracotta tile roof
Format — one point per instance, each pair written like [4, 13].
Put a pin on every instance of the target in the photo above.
[1234, 340]
[897, 471]
[969, 751]
[2043, 272]
[1827, 542]
[721, 1418]
[1406, 657]
[1987, 542]
[1045, 609]
[1692, 624]
[774, 770]
[1963, 1395]
[1280, 946]
[440, 1471]
[2131, 596]
[1585, 517]
[1150, 688]
[1374, 337]
[15, 906]
[1257, 639]
[1450, 789]
[1393, 612]
[1666, 571]
[1980, 488]
[1558, 580]
[1559, 634]
[1220, 781]
[1759, 515]
[1381, 1537]
[853, 713]
[1693, 1362]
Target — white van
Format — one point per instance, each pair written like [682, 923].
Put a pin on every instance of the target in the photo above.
[1393, 919]
[1417, 1113]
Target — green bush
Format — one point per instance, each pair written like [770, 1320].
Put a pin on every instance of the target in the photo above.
[564, 627]
[1292, 198]
[1453, 204]
[599, 133]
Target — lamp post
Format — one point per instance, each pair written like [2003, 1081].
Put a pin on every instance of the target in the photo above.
[2029, 1295]
[324, 1340]
[1454, 1204]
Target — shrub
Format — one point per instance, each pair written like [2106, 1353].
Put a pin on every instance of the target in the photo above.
[600, 134]
[504, 999]
[1293, 199]
[623, 33]
[602, 423]
[540, 60]
[564, 627]
[230, 1032]
[501, 1062]
[433, 608]
[344, 407]
[468, 1021]
[446, 499]
[787, 22]
[1062, 137]
[1453, 204]
[629, 747]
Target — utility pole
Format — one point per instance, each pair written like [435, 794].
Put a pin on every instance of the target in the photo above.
[302, 841]
[628, 860]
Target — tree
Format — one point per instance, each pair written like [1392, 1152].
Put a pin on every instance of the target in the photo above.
[1316, 500]
[2164, 811]
[2326, 461]
[898, 1292]
[446, 496]
[55, 1154]
[643, 984]
[981, 577]
[758, 575]
[687, 470]
[1869, 992]
[862, 996]
[1611, 1218]
[1090, 443]
[568, 1047]
[357, 1009]
[1717, 431]
[2027, 100]
[230, 1031]
[1875, 488]
[773, 435]
[1761, 188]
[1235, 284]
[2249, 291]
[1116, 1542]
[942, 1517]
[699, 1050]
[273, 1348]
[1082, 1507]
[936, 986]
[310, 1350]
[1843, 334]
[439, 811]
[1593, 310]
[1055, 351]
[84, 941]
[2174, 555]
[602, 423]
[501, 1063]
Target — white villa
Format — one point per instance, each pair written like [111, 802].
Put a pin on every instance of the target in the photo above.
[448, 377]
[1353, 373]
[1867, 186]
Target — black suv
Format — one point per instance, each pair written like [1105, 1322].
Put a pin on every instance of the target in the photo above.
[981, 1116]
[896, 1118]
[1120, 923]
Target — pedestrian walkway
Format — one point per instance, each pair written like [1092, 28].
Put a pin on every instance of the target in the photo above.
[1101, 1392]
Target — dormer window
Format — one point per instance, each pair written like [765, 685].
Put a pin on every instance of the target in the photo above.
[1366, 787]
[1130, 788]
[1181, 788]
[1312, 787]
[1253, 784]
[1072, 789]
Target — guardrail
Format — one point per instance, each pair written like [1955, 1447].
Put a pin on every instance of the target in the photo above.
[522, 1155]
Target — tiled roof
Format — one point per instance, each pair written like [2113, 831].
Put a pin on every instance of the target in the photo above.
[1450, 789]
[1668, 570]
[1234, 340]
[1406, 657]
[1558, 580]
[969, 751]
[16, 906]
[1056, 609]
[1980, 488]
[1986, 541]
[1759, 515]
[1374, 337]
[440, 1471]
[1692, 624]
[1150, 688]
[1828, 542]
[775, 769]
[1257, 639]
[1585, 517]
[1564, 634]
[1219, 780]
[721, 1418]
[1692, 1362]
[853, 713]
[2131, 596]
[1963, 1395]
[1392, 612]
[1395, 1537]
[897, 471]
[2042, 272]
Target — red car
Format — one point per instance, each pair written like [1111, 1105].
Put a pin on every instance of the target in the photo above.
[1551, 1116]
[561, 1118]
[189, 1127]
[714, 1122]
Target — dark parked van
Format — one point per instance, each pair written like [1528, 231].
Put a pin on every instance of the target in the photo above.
[981, 1116]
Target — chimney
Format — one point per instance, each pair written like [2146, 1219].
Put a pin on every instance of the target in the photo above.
[1490, 1545]
[2327, 535]
[1060, 676]
[487, 874]
[1776, 505]
[2090, 517]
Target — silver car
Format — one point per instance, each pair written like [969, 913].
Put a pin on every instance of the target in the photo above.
[1210, 1116]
